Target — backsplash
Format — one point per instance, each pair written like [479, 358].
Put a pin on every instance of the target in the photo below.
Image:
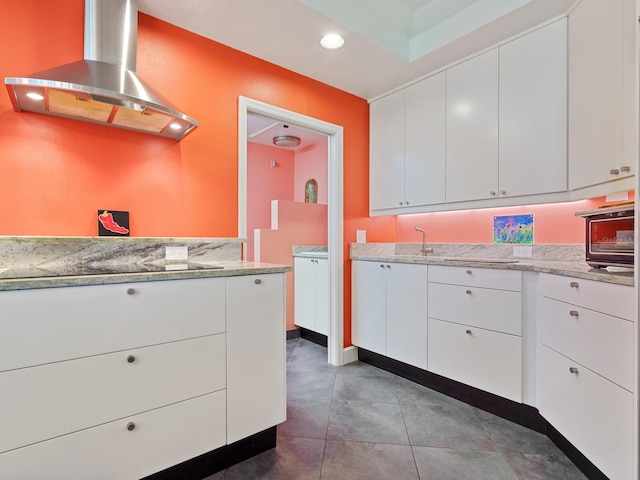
[41, 252]
[564, 252]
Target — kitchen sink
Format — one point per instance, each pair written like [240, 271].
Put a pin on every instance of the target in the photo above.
[480, 260]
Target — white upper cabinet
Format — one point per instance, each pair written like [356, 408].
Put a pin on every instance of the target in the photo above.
[533, 113]
[602, 105]
[472, 129]
[407, 158]
[424, 141]
[386, 160]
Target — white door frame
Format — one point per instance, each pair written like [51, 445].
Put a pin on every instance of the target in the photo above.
[335, 196]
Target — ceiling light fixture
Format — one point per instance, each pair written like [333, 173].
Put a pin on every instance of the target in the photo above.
[286, 141]
[332, 41]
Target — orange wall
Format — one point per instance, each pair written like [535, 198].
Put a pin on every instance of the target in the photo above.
[57, 173]
[266, 183]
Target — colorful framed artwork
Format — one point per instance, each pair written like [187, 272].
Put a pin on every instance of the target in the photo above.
[513, 229]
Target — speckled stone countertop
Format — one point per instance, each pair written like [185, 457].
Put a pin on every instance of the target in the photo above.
[547, 262]
[310, 251]
[47, 262]
[230, 268]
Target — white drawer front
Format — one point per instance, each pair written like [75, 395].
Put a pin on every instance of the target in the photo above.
[477, 277]
[43, 402]
[595, 415]
[54, 324]
[616, 300]
[483, 359]
[497, 310]
[600, 342]
[161, 438]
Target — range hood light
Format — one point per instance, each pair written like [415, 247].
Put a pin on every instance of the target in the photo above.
[175, 126]
[102, 88]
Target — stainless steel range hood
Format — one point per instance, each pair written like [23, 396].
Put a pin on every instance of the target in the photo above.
[103, 88]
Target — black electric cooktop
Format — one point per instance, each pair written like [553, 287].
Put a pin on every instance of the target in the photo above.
[100, 269]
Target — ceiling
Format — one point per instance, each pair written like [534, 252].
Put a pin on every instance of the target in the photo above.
[388, 43]
[262, 130]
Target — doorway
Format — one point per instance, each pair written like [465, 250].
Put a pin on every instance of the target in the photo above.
[334, 135]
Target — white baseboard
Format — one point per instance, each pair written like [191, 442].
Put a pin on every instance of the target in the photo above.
[349, 355]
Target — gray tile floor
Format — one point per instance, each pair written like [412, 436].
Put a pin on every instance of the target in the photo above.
[360, 422]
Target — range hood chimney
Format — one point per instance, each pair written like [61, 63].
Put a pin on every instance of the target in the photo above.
[103, 88]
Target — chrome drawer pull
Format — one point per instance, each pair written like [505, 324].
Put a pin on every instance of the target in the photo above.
[381, 266]
[131, 359]
[573, 370]
[257, 281]
[614, 171]
[625, 169]
[468, 292]
[468, 272]
[131, 426]
[574, 284]
[468, 332]
[389, 266]
[131, 291]
[573, 313]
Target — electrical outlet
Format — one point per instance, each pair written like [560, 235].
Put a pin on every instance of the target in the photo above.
[176, 252]
[523, 251]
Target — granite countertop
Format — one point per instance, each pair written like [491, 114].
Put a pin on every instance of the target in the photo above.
[577, 269]
[310, 251]
[229, 268]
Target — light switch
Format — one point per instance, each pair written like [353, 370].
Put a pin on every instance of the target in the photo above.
[361, 236]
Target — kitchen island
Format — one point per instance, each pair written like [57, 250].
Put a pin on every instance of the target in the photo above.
[164, 374]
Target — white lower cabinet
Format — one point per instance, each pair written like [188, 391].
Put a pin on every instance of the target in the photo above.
[311, 294]
[389, 302]
[127, 448]
[475, 328]
[50, 400]
[125, 380]
[594, 414]
[586, 369]
[484, 359]
[256, 362]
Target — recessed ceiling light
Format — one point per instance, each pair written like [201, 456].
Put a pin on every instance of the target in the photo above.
[35, 96]
[332, 41]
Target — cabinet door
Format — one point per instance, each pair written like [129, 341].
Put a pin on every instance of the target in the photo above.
[407, 313]
[322, 296]
[472, 129]
[304, 304]
[533, 112]
[424, 141]
[595, 415]
[599, 43]
[386, 156]
[46, 323]
[255, 354]
[162, 437]
[46, 401]
[369, 305]
[487, 360]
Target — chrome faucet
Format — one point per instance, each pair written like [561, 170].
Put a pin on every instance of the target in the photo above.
[424, 250]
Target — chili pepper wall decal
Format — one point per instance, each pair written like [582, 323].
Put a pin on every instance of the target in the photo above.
[113, 223]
